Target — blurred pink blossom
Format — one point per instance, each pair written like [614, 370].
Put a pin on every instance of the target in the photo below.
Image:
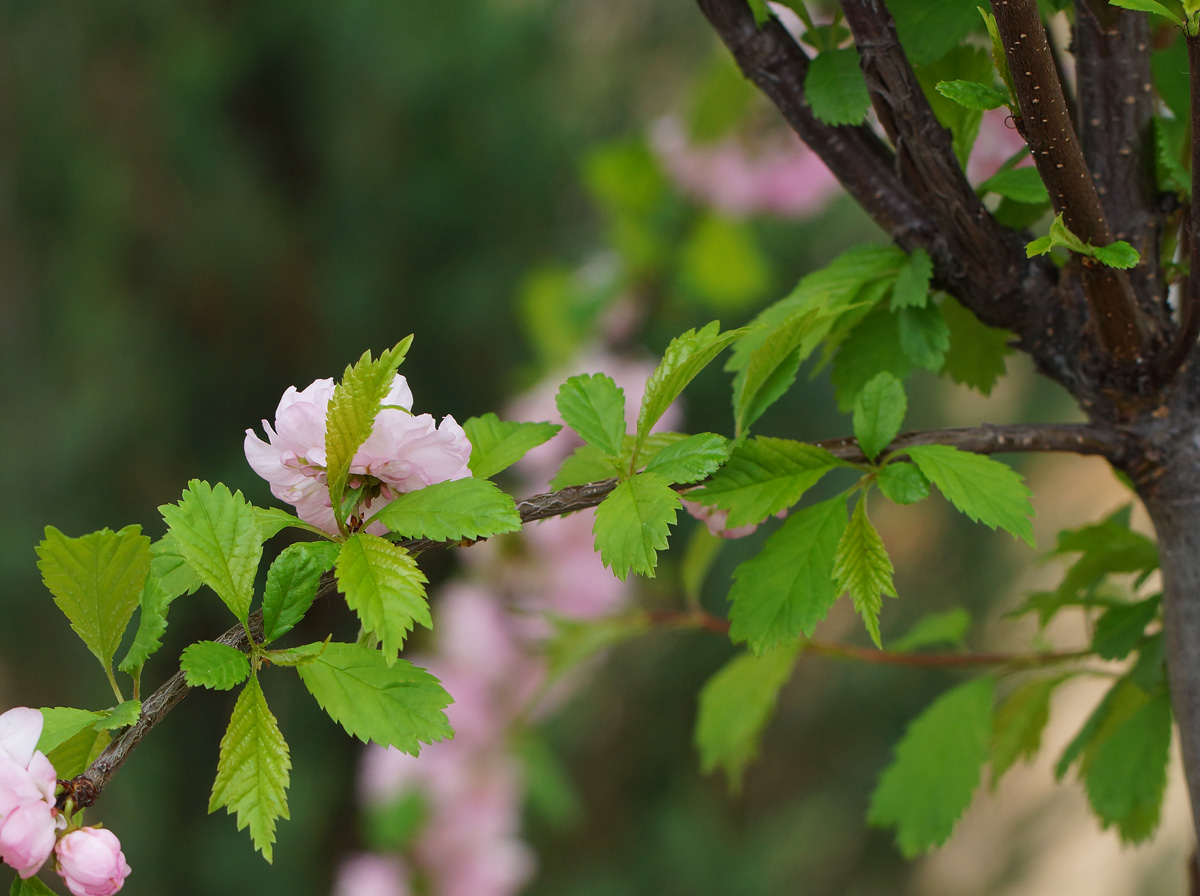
[91, 863]
[997, 141]
[715, 519]
[369, 874]
[28, 818]
[404, 452]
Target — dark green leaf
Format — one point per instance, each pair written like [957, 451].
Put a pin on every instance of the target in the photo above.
[929, 29]
[976, 354]
[912, 283]
[1120, 629]
[1019, 184]
[835, 87]
[872, 347]
[1020, 719]
[924, 336]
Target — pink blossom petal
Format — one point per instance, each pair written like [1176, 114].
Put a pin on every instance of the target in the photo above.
[20, 729]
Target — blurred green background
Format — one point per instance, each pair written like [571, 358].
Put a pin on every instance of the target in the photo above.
[202, 203]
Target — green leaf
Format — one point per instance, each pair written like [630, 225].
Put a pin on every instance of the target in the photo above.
[761, 11]
[61, 723]
[575, 641]
[398, 705]
[498, 444]
[924, 336]
[587, 463]
[452, 510]
[273, 520]
[593, 406]
[835, 87]
[787, 588]
[1149, 6]
[1040, 246]
[208, 664]
[1117, 255]
[972, 95]
[1120, 629]
[1019, 184]
[949, 628]
[912, 283]
[295, 656]
[929, 29]
[937, 768]
[120, 716]
[735, 706]
[721, 265]
[73, 756]
[984, 489]
[633, 522]
[384, 587]
[1128, 771]
[292, 583]
[902, 483]
[771, 367]
[686, 356]
[351, 416]
[253, 769]
[1020, 719]
[964, 62]
[976, 354]
[872, 347]
[217, 534]
[97, 581]
[878, 412]
[862, 567]
[690, 459]
[764, 476]
[30, 886]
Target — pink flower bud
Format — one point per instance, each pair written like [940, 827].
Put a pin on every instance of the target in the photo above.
[91, 863]
[27, 837]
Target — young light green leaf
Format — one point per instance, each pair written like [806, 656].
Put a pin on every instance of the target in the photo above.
[976, 354]
[633, 522]
[96, 581]
[273, 520]
[295, 656]
[1019, 721]
[351, 415]
[787, 588]
[835, 87]
[1149, 6]
[764, 476]
[397, 705]
[771, 366]
[587, 463]
[686, 356]
[61, 723]
[217, 533]
[937, 768]
[735, 706]
[1127, 774]
[292, 583]
[1041, 246]
[911, 289]
[74, 755]
[948, 628]
[384, 586]
[208, 664]
[498, 444]
[120, 716]
[1121, 628]
[902, 483]
[878, 412]
[862, 567]
[972, 95]
[924, 336]
[1018, 184]
[594, 406]
[1117, 255]
[456, 509]
[984, 489]
[762, 12]
[690, 459]
[253, 769]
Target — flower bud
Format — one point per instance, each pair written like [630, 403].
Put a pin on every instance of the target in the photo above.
[91, 863]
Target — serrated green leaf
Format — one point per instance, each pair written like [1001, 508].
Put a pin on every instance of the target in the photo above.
[1117, 255]
[398, 705]
[170, 576]
[924, 336]
[787, 588]
[632, 524]
[29, 886]
[878, 412]
[948, 628]
[862, 567]
[498, 444]
[963, 62]
[208, 664]
[1040, 246]
[295, 656]
[1019, 721]
[976, 354]
[73, 756]
[217, 533]
[96, 581]
[735, 706]
[686, 356]
[902, 483]
[764, 476]
[972, 95]
[771, 367]
[1170, 135]
[1127, 774]
[912, 283]
[1120, 629]
[456, 509]
[253, 769]
[351, 415]
[273, 520]
[1149, 6]
[587, 463]
[61, 723]
[594, 406]
[873, 346]
[929, 29]
[1118, 704]
[384, 586]
[835, 87]
[292, 583]
[986, 490]
[1019, 184]
[690, 459]
[936, 769]
[120, 716]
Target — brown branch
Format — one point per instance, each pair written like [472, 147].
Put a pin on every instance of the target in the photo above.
[1045, 122]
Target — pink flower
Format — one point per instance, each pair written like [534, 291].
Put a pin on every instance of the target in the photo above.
[404, 452]
[28, 818]
[91, 863]
[366, 874]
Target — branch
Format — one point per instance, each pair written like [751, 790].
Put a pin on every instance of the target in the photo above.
[1075, 438]
[1046, 125]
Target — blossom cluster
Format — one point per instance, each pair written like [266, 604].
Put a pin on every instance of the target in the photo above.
[89, 860]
